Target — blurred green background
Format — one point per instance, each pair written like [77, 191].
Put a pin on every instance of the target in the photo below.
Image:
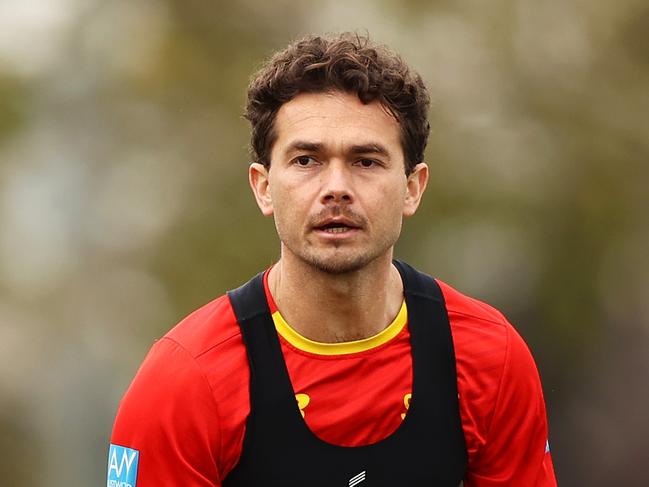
[124, 202]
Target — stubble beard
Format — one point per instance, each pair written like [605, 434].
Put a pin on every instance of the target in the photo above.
[338, 265]
[338, 260]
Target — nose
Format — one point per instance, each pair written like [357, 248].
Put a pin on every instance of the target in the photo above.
[337, 186]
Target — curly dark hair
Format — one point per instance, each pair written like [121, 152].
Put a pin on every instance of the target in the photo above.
[349, 63]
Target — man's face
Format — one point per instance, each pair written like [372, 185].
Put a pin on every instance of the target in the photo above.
[336, 185]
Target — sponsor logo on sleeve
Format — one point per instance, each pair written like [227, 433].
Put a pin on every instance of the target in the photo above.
[122, 466]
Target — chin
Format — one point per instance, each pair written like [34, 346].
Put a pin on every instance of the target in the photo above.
[339, 264]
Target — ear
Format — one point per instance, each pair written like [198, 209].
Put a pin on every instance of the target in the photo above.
[258, 179]
[415, 187]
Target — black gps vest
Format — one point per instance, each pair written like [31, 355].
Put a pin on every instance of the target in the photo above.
[279, 449]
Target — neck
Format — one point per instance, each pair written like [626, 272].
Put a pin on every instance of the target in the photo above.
[331, 308]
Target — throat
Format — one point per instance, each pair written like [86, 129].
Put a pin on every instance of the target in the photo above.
[332, 309]
[345, 330]
[327, 341]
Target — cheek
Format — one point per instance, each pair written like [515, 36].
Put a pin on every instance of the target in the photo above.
[397, 212]
[294, 194]
[288, 207]
[392, 201]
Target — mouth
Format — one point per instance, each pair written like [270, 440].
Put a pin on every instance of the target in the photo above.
[336, 227]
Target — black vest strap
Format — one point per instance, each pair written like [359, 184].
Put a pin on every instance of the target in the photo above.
[280, 450]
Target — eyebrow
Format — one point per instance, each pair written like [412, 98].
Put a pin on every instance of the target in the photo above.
[300, 145]
[371, 148]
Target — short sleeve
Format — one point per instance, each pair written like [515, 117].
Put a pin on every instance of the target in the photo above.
[168, 419]
[516, 450]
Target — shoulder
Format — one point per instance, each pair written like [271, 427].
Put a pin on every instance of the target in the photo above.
[483, 338]
[205, 345]
[192, 385]
[196, 351]
[492, 362]
[500, 395]
[208, 327]
[460, 304]
[480, 332]
[212, 340]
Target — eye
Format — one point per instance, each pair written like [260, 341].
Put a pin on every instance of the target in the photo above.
[367, 163]
[304, 161]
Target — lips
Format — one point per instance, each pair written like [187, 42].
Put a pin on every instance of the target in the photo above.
[335, 229]
[336, 225]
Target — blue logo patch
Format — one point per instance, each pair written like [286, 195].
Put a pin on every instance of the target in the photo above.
[122, 466]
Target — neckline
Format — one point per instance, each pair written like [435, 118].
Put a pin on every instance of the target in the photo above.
[305, 344]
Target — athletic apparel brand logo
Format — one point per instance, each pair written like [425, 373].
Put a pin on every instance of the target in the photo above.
[406, 402]
[303, 401]
[122, 466]
[357, 479]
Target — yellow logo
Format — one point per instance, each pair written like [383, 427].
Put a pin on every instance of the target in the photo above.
[303, 401]
[406, 403]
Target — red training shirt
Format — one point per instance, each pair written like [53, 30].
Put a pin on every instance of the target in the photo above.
[186, 409]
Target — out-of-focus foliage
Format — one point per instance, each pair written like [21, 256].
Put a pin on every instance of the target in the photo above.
[124, 202]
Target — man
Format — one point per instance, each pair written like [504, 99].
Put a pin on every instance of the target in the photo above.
[338, 365]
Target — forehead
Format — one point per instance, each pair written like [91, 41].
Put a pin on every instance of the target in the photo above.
[335, 119]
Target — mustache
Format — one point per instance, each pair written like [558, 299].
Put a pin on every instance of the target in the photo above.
[326, 214]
